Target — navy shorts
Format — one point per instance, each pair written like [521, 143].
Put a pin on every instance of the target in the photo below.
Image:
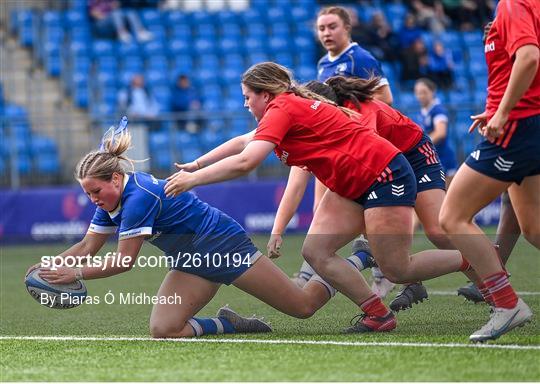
[221, 255]
[396, 186]
[513, 156]
[426, 166]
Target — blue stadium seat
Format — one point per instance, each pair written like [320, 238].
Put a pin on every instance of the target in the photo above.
[480, 96]
[109, 95]
[24, 164]
[181, 31]
[81, 34]
[47, 163]
[209, 91]
[257, 57]
[300, 14]
[154, 47]
[202, 17]
[128, 49]
[158, 63]
[185, 139]
[132, 63]
[158, 32]
[256, 30]
[210, 138]
[227, 17]
[209, 61]
[407, 100]
[159, 142]
[472, 39]
[106, 78]
[25, 23]
[179, 46]
[231, 75]
[156, 78]
[204, 46]
[233, 61]
[252, 15]
[151, 17]
[478, 68]
[103, 48]
[231, 31]
[306, 58]
[76, 18]
[459, 97]
[163, 96]
[303, 44]
[106, 63]
[278, 45]
[230, 46]
[181, 65]
[233, 105]
[191, 153]
[213, 104]
[305, 73]
[177, 18]
[234, 91]
[280, 29]
[275, 15]
[206, 31]
[254, 45]
[42, 144]
[284, 58]
[52, 18]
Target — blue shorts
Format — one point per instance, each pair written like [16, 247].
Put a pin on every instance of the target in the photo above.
[396, 186]
[513, 156]
[221, 255]
[426, 166]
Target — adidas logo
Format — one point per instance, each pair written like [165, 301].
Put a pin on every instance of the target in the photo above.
[476, 154]
[372, 196]
[424, 179]
[398, 190]
[503, 165]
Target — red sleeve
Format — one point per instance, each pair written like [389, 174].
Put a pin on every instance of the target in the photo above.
[517, 27]
[273, 126]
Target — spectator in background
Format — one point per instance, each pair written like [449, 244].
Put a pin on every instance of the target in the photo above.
[139, 104]
[409, 33]
[435, 124]
[469, 14]
[184, 98]
[415, 61]
[430, 15]
[382, 42]
[440, 65]
[108, 21]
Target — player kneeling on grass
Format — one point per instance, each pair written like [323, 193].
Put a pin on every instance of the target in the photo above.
[184, 226]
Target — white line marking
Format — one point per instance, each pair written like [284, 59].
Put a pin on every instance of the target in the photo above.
[277, 341]
[454, 293]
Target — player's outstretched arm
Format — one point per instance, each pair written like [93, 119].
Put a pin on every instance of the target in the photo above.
[232, 147]
[296, 187]
[110, 265]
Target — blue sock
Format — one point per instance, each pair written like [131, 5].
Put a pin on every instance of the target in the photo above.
[214, 326]
[360, 260]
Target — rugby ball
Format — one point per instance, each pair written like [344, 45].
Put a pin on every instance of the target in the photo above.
[56, 296]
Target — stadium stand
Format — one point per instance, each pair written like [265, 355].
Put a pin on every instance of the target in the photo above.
[213, 46]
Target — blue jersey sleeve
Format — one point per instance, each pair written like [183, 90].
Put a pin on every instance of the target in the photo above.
[139, 213]
[439, 113]
[102, 223]
[365, 65]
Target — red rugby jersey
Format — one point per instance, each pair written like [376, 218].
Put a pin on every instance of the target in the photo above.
[517, 24]
[343, 154]
[388, 123]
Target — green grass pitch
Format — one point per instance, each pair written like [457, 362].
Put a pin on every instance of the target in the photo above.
[444, 319]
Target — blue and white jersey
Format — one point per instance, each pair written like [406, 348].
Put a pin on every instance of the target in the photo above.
[354, 61]
[182, 223]
[429, 117]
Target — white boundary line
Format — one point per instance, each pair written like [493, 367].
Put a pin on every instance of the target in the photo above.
[277, 341]
[454, 293]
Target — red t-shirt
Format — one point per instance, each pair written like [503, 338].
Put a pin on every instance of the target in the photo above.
[343, 154]
[517, 24]
[388, 123]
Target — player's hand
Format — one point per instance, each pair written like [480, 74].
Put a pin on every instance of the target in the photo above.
[35, 266]
[274, 245]
[495, 126]
[62, 275]
[479, 121]
[179, 182]
[188, 167]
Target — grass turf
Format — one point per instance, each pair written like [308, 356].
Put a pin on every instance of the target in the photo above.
[443, 319]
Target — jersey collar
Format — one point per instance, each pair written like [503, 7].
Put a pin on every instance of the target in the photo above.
[116, 211]
[334, 58]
